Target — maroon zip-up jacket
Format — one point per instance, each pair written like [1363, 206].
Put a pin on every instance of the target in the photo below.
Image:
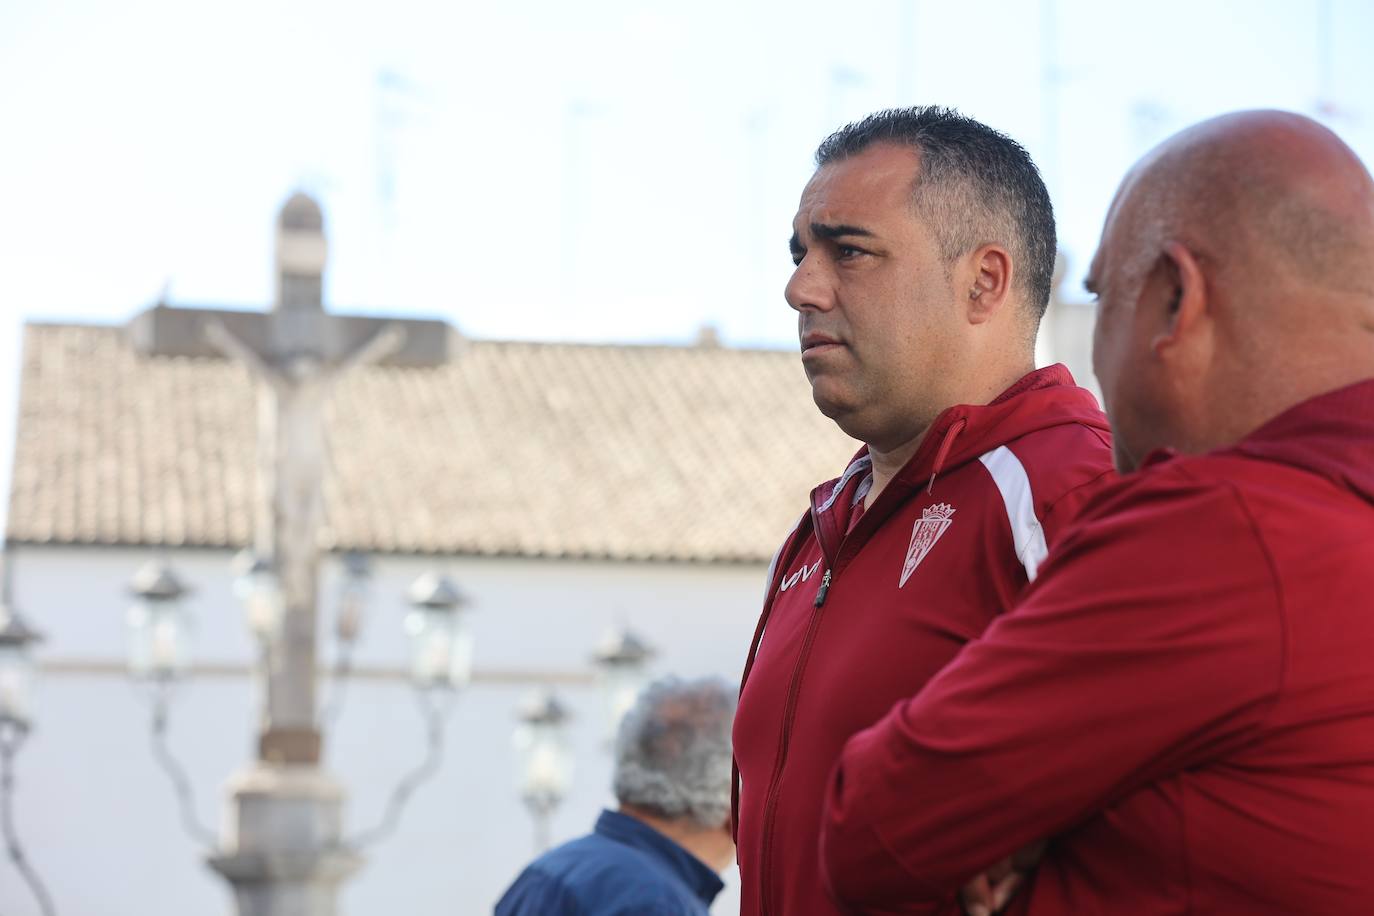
[857, 619]
[1183, 700]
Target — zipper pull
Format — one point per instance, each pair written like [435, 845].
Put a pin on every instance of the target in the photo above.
[825, 587]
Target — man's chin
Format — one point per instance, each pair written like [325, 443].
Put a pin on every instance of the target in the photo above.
[829, 402]
[840, 409]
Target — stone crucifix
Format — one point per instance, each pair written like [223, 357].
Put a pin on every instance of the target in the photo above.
[292, 457]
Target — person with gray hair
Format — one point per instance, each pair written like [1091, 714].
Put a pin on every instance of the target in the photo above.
[660, 852]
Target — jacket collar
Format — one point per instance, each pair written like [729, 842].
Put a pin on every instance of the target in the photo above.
[1330, 435]
[704, 883]
[1038, 400]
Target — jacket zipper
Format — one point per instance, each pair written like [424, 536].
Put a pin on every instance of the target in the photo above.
[820, 592]
[784, 739]
[770, 806]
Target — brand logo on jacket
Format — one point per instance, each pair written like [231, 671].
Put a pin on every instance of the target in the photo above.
[801, 575]
[927, 530]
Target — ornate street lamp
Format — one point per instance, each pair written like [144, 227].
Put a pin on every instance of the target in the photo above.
[439, 629]
[160, 654]
[622, 660]
[355, 591]
[16, 678]
[16, 669]
[442, 663]
[546, 764]
[159, 626]
[257, 586]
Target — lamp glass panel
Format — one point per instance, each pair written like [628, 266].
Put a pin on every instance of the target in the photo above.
[354, 595]
[620, 687]
[443, 646]
[546, 764]
[16, 682]
[159, 638]
[264, 603]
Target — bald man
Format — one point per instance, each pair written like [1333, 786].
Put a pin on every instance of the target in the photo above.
[1182, 702]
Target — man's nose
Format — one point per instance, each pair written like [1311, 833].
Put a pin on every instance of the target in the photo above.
[809, 287]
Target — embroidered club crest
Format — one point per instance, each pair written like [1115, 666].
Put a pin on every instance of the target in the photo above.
[927, 530]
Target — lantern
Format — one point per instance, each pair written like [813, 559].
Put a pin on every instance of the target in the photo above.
[623, 661]
[546, 764]
[355, 591]
[439, 631]
[16, 668]
[159, 626]
[257, 586]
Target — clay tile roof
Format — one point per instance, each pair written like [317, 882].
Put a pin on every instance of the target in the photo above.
[702, 454]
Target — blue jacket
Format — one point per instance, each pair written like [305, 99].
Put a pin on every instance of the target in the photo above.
[623, 868]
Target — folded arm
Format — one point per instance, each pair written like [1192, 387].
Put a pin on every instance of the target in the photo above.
[1151, 642]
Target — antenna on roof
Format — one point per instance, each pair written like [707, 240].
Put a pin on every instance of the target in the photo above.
[1326, 105]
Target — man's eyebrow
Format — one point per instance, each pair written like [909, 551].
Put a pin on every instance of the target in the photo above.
[1090, 285]
[826, 231]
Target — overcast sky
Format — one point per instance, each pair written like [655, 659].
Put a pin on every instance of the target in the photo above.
[601, 170]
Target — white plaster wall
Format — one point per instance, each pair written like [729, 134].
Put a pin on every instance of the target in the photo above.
[1067, 337]
[99, 819]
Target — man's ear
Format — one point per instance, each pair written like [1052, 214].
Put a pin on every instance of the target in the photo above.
[990, 288]
[1181, 292]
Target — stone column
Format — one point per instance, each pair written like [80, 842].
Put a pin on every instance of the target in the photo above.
[281, 847]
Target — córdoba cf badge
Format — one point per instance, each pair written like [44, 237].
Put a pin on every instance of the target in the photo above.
[927, 530]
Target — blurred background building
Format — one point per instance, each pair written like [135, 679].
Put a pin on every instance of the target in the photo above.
[568, 489]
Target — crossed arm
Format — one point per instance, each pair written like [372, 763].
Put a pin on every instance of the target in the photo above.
[1151, 642]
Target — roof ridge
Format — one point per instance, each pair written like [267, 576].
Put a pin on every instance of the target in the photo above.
[631, 451]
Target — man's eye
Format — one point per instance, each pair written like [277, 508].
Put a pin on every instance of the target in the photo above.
[849, 251]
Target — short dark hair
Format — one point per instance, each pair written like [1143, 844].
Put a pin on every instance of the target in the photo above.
[975, 185]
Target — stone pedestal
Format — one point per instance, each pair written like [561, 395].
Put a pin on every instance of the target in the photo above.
[281, 849]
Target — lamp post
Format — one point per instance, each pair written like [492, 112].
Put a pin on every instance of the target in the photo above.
[16, 669]
[622, 660]
[159, 654]
[351, 608]
[546, 763]
[16, 677]
[441, 665]
[159, 626]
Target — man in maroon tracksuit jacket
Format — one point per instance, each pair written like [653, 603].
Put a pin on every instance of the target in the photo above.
[925, 248]
[1183, 701]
